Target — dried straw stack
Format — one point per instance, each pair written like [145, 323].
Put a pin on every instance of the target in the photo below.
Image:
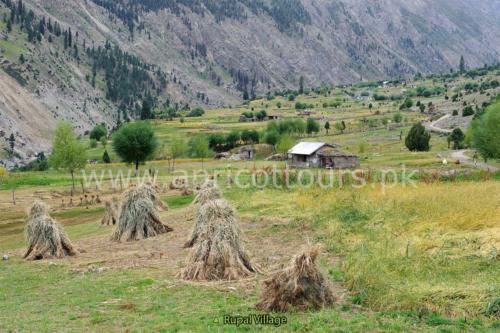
[45, 237]
[138, 217]
[217, 252]
[301, 286]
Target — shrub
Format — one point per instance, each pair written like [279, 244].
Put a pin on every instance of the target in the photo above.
[93, 143]
[468, 111]
[418, 138]
[196, 112]
[398, 117]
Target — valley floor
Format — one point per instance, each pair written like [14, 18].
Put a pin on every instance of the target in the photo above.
[407, 259]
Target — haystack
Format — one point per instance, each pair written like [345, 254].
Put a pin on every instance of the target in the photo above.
[208, 191]
[138, 217]
[110, 216]
[300, 286]
[218, 252]
[45, 237]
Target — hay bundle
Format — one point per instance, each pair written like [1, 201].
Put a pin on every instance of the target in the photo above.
[45, 237]
[178, 183]
[138, 217]
[300, 286]
[218, 253]
[208, 191]
[110, 216]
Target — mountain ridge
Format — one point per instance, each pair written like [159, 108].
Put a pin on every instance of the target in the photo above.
[214, 53]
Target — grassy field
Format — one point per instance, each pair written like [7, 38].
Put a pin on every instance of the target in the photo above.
[423, 258]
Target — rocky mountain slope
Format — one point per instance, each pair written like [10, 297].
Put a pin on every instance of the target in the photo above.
[213, 53]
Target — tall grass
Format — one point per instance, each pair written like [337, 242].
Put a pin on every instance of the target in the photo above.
[428, 249]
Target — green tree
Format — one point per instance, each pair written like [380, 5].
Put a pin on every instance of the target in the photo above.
[271, 138]
[327, 127]
[458, 137]
[12, 142]
[486, 132]
[67, 152]
[146, 111]
[98, 132]
[301, 85]
[250, 136]
[217, 142]
[398, 117]
[418, 138]
[284, 144]
[198, 147]
[135, 143]
[340, 126]
[408, 103]
[312, 126]
[104, 142]
[105, 157]
[461, 65]
[232, 139]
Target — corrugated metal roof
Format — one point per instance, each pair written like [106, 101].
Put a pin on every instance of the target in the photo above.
[306, 148]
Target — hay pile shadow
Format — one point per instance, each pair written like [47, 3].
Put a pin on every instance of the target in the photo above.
[45, 237]
[111, 215]
[301, 286]
[218, 252]
[138, 217]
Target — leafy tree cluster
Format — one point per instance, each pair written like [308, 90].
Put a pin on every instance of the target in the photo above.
[428, 91]
[223, 142]
[259, 115]
[196, 112]
[303, 106]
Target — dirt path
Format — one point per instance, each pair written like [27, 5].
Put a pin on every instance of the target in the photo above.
[432, 126]
[459, 155]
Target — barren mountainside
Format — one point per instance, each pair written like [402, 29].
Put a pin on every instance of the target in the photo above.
[174, 53]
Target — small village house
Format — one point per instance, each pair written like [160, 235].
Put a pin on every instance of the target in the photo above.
[321, 155]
